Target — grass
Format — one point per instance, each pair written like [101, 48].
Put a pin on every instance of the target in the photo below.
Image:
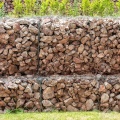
[62, 116]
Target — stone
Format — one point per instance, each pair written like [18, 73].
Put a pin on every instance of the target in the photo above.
[36, 86]
[13, 86]
[7, 99]
[89, 104]
[68, 101]
[47, 39]
[20, 103]
[2, 104]
[46, 103]
[81, 48]
[102, 88]
[49, 57]
[33, 29]
[117, 86]
[3, 94]
[107, 85]
[118, 97]
[79, 31]
[12, 69]
[29, 105]
[28, 89]
[37, 95]
[60, 86]
[2, 30]
[48, 93]
[16, 27]
[76, 60]
[101, 55]
[104, 98]
[71, 108]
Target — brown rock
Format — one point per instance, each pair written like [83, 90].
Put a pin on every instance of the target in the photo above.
[16, 27]
[89, 104]
[48, 93]
[36, 86]
[12, 69]
[68, 101]
[60, 86]
[2, 104]
[81, 48]
[20, 103]
[29, 105]
[46, 103]
[33, 29]
[71, 108]
[104, 98]
[47, 39]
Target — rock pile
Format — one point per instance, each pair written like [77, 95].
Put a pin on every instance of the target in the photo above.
[79, 46]
[19, 93]
[18, 47]
[67, 46]
[81, 94]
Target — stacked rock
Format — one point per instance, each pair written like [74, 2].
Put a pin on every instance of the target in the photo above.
[81, 94]
[19, 93]
[79, 45]
[18, 47]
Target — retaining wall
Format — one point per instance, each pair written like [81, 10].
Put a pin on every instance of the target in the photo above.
[65, 46]
[66, 93]
[20, 92]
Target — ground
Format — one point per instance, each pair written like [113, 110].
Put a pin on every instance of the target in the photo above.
[62, 116]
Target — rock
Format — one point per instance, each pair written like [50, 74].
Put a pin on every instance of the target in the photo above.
[48, 93]
[81, 48]
[102, 88]
[89, 104]
[71, 108]
[108, 86]
[29, 105]
[104, 98]
[68, 101]
[2, 104]
[2, 30]
[47, 39]
[60, 86]
[36, 86]
[79, 31]
[118, 97]
[16, 27]
[37, 95]
[7, 99]
[20, 103]
[46, 103]
[12, 69]
[13, 86]
[117, 86]
[28, 89]
[33, 29]
[101, 55]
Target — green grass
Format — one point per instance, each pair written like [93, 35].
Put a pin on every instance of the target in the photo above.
[62, 116]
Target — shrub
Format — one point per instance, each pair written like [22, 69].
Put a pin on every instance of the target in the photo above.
[74, 9]
[18, 8]
[2, 12]
[29, 7]
[85, 7]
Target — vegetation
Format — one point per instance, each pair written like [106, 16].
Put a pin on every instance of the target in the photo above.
[65, 7]
[15, 111]
[62, 116]
[2, 12]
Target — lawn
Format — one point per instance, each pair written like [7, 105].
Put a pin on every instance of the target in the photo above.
[62, 116]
